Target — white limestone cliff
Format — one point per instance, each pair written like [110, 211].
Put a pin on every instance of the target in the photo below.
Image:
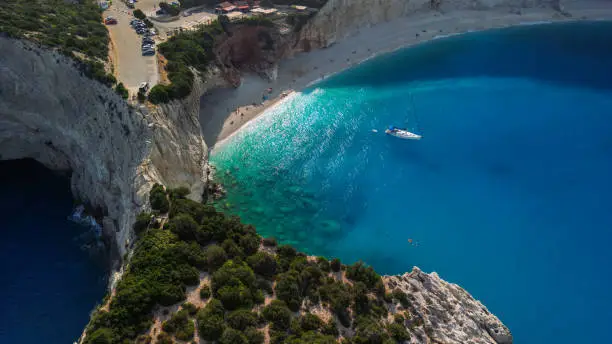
[50, 112]
[445, 312]
[341, 18]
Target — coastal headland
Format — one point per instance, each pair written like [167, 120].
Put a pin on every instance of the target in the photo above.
[118, 154]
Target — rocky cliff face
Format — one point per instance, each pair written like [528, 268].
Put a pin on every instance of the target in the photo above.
[341, 18]
[447, 313]
[52, 113]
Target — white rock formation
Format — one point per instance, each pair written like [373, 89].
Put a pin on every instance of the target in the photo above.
[447, 312]
[52, 113]
[341, 18]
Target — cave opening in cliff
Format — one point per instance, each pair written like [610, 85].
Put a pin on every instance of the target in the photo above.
[49, 280]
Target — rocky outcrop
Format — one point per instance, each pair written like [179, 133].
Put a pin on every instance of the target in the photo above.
[342, 18]
[52, 113]
[442, 312]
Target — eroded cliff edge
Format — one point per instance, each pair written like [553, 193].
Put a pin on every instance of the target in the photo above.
[341, 18]
[51, 112]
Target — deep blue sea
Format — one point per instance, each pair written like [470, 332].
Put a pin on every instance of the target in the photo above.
[48, 285]
[508, 194]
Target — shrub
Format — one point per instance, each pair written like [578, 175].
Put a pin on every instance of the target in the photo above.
[311, 322]
[184, 226]
[231, 336]
[269, 242]
[323, 264]
[399, 295]
[312, 338]
[159, 94]
[122, 91]
[158, 200]
[288, 290]
[249, 243]
[263, 264]
[254, 336]
[210, 321]
[205, 292]
[369, 331]
[180, 325]
[100, 336]
[336, 265]
[366, 274]
[398, 332]
[241, 319]
[278, 313]
[398, 318]
[232, 249]
[164, 338]
[215, 257]
[190, 308]
[139, 14]
[330, 329]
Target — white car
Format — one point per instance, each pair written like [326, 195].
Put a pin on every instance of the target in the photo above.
[143, 86]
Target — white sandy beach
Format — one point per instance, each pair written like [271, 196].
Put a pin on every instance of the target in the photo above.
[225, 111]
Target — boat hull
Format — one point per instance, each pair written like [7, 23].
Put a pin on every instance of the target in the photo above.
[403, 134]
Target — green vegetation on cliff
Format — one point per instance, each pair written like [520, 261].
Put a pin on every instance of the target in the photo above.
[75, 28]
[67, 25]
[186, 50]
[242, 273]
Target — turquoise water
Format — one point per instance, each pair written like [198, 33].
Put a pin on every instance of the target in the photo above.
[508, 194]
[48, 285]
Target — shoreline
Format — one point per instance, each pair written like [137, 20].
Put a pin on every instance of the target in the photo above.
[307, 69]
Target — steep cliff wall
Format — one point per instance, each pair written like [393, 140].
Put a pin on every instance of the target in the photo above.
[52, 113]
[341, 18]
[447, 313]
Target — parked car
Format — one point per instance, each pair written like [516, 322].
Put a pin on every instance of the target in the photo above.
[152, 32]
[148, 52]
[110, 21]
[147, 40]
[144, 86]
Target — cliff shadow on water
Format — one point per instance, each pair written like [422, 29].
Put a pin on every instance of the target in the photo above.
[50, 281]
[516, 53]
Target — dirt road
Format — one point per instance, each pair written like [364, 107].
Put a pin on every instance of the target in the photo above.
[131, 67]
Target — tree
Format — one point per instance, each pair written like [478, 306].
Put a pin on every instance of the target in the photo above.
[139, 14]
[241, 319]
[158, 200]
[231, 336]
[215, 257]
[184, 226]
[398, 332]
[235, 296]
[254, 336]
[288, 290]
[169, 9]
[278, 313]
[262, 263]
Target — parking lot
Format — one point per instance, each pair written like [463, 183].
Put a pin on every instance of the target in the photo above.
[132, 68]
